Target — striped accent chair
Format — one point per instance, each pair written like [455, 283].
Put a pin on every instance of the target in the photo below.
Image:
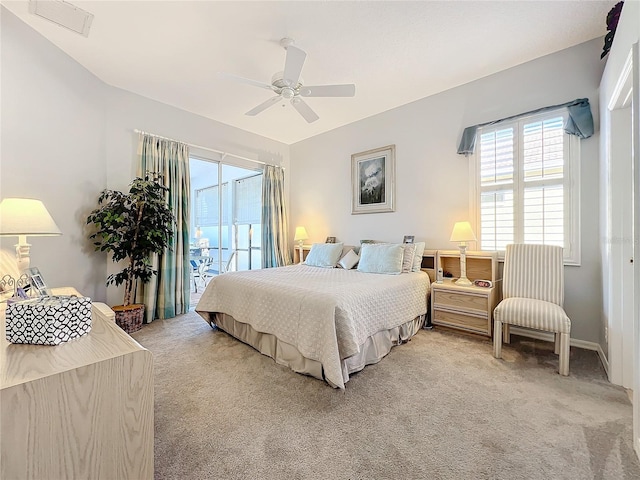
[532, 297]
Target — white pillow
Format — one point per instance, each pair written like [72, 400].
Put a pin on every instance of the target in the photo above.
[346, 248]
[417, 259]
[408, 257]
[349, 260]
[381, 258]
[324, 255]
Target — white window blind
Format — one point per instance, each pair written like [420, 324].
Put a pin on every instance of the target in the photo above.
[248, 200]
[525, 191]
[206, 206]
[543, 161]
[496, 219]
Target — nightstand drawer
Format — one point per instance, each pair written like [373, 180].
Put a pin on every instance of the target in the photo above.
[461, 300]
[460, 320]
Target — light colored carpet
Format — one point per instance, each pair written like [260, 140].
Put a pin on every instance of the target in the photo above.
[438, 407]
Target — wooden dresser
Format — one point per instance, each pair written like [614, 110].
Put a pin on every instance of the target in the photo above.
[82, 409]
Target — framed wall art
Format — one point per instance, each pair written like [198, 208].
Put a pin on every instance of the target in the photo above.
[373, 176]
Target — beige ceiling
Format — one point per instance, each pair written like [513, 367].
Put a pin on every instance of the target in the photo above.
[395, 52]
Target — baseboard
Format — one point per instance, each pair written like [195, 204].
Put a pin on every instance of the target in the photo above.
[603, 359]
[574, 342]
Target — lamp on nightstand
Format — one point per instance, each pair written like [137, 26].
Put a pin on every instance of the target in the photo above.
[300, 237]
[462, 234]
[22, 217]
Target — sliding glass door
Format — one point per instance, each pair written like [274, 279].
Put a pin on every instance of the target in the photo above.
[225, 219]
[247, 212]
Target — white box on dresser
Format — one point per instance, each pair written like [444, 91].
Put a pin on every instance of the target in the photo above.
[82, 409]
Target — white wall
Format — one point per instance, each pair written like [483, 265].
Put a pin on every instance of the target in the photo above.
[66, 136]
[53, 149]
[432, 190]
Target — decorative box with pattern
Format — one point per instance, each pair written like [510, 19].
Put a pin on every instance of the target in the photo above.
[48, 320]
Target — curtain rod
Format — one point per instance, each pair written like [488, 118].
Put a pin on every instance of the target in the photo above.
[207, 149]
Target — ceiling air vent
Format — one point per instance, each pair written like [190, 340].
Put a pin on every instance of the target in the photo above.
[64, 14]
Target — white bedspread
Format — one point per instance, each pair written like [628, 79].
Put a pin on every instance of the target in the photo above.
[327, 313]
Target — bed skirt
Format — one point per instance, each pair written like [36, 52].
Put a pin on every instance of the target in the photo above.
[372, 350]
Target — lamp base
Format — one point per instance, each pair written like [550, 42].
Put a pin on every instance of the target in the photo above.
[300, 252]
[23, 250]
[463, 281]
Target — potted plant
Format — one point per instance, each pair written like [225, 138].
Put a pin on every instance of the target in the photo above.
[132, 226]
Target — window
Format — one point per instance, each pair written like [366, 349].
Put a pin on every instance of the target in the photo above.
[248, 200]
[206, 206]
[526, 184]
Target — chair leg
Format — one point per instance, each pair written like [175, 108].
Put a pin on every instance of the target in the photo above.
[506, 334]
[497, 339]
[556, 348]
[564, 354]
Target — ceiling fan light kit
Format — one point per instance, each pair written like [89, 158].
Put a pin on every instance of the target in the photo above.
[288, 85]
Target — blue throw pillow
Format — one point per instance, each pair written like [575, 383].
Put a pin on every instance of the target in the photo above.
[381, 258]
[324, 255]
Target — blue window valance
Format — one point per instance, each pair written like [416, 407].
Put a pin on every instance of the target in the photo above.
[579, 122]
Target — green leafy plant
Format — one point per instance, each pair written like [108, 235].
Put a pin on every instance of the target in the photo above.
[132, 226]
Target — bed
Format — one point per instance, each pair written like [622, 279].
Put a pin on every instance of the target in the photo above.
[323, 322]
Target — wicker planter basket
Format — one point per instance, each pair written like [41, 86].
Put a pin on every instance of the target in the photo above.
[129, 318]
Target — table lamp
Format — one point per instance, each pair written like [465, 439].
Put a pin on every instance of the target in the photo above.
[20, 217]
[462, 234]
[300, 237]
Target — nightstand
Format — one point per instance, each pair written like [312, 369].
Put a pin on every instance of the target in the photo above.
[296, 253]
[466, 308]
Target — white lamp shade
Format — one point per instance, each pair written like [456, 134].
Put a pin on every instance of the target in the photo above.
[26, 216]
[301, 234]
[462, 232]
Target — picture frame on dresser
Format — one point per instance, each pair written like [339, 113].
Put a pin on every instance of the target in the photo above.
[37, 282]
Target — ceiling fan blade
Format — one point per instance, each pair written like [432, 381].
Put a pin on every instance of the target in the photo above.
[304, 110]
[348, 90]
[293, 65]
[263, 106]
[236, 78]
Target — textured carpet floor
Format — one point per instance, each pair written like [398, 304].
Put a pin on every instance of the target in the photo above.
[438, 407]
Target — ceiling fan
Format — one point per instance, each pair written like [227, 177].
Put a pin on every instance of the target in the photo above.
[287, 85]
